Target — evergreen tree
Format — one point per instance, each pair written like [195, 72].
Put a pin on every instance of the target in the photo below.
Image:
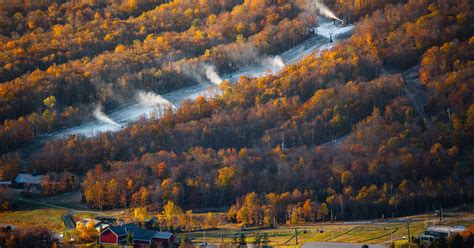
[129, 239]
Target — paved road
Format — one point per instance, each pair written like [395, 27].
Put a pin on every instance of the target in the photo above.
[68, 222]
[338, 245]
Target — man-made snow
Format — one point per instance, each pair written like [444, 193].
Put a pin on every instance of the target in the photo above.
[325, 29]
[132, 112]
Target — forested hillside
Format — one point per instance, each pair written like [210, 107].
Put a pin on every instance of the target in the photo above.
[381, 124]
[69, 70]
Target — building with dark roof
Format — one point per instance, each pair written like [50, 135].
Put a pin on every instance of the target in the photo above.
[433, 233]
[141, 237]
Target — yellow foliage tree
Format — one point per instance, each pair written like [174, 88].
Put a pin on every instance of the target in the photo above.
[140, 213]
[171, 212]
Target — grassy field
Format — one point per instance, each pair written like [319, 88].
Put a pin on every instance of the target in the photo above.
[283, 236]
[47, 217]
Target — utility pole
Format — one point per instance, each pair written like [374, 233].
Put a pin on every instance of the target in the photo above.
[296, 236]
[408, 227]
[440, 216]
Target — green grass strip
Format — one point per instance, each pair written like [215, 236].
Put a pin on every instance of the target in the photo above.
[284, 243]
[382, 236]
[344, 233]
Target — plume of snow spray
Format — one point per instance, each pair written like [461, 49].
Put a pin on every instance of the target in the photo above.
[323, 9]
[244, 53]
[151, 99]
[191, 70]
[101, 116]
[211, 74]
[274, 63]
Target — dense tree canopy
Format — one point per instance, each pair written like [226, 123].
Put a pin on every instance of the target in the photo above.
[154, 60]
[339, 131]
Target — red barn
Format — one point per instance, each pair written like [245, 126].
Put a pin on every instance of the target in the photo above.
[113, 235]
[141, 237]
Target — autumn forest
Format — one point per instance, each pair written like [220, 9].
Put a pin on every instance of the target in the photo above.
[379, 124]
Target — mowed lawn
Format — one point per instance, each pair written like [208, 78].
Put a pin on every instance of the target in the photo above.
[285, 235]
[326, 232]
[46, 217]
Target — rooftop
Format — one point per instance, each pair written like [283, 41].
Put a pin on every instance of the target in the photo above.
[86, 221]
[119, 230]
[138, 233]
[29, 179]
[162, 235]
[446, 229]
